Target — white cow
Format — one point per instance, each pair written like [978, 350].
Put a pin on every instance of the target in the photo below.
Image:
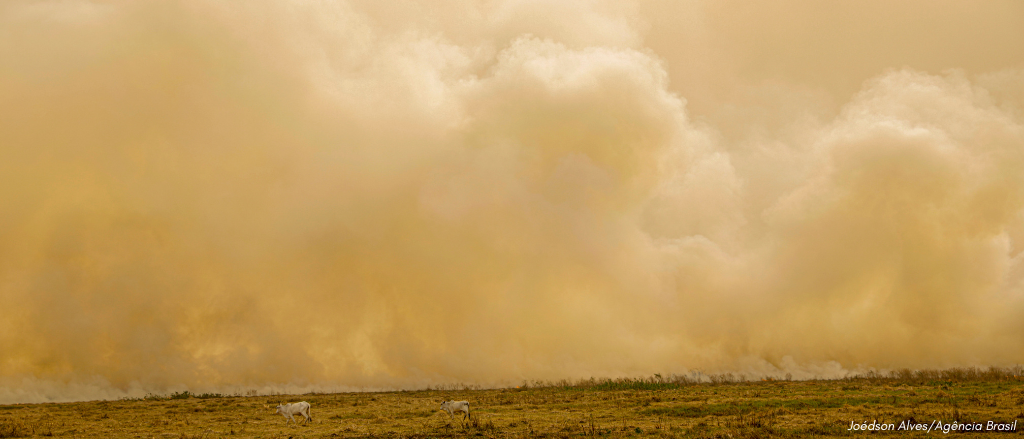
[298, 408]
[455, 406]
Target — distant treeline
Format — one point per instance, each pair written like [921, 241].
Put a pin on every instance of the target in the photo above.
[659, 382]
[956, 374]
[184, 394]
[908, 376]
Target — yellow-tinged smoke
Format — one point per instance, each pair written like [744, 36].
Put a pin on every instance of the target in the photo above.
[336, 195]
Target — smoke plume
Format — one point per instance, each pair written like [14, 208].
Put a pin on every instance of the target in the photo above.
[285, 196]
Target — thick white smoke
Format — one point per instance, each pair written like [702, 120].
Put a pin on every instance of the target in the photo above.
[227, 196]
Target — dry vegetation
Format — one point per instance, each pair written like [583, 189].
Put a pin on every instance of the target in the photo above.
[722, 406]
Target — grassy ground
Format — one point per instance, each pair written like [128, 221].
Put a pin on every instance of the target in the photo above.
[623, 408]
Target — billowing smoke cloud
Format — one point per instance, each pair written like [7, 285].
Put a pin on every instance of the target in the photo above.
[226, 196]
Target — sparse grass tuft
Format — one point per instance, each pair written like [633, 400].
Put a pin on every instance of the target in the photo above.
[10, 428]
[13, 429]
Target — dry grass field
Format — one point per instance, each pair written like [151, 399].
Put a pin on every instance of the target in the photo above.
[726, 408]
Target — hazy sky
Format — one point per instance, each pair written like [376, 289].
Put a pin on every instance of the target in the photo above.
[285, 196]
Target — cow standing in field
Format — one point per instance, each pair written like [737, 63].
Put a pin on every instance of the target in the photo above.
[298, 408]
[455, 406]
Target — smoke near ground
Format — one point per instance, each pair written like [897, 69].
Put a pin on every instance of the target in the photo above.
[294, 196]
